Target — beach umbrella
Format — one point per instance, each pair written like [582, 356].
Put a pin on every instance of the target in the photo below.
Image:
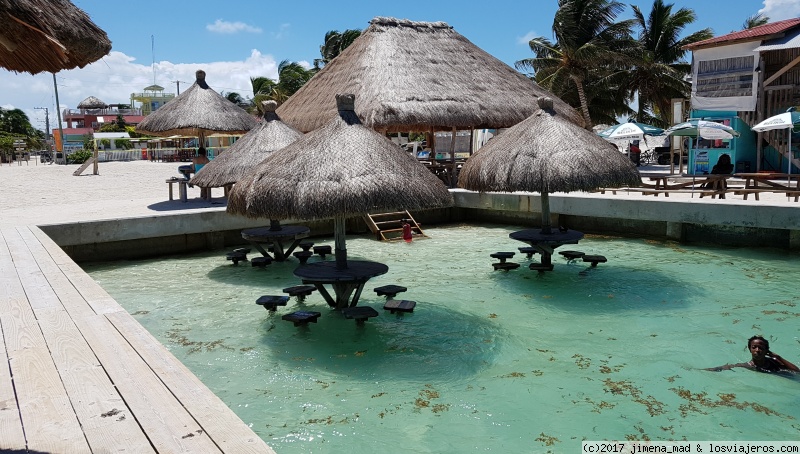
[702, 129]
[252, 148]
[341, 170]
[48, 36]
[547, 153]
[418, 76]
[630, 130]
[197, 112]
[788, 120]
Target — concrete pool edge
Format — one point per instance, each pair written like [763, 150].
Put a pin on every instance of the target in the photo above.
[695, 220]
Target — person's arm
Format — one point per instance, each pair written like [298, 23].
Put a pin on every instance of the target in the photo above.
[784, 363]
[728, 367]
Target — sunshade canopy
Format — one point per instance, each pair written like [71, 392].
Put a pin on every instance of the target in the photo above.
[418, 76]
[198, 111]
[547, 153]
[630, 130]
[704, 128]
[786, 120]
[342, 169]
[252, 148]
[48, 35]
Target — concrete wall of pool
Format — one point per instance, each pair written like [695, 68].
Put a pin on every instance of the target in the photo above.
[696, 220]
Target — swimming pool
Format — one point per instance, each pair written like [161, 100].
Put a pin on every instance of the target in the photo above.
[489, 361]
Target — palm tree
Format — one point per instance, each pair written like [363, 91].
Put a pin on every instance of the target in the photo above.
[755, 20]
[334, 44]
[659, 69]
[589, 45]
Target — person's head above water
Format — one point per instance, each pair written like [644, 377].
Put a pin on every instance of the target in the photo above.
[758, 346]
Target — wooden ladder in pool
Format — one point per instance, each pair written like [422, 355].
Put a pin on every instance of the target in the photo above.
[389, 226]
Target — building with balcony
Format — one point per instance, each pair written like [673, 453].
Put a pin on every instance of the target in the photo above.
[151, 99]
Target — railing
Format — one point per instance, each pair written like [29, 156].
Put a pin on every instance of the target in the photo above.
[114, 112]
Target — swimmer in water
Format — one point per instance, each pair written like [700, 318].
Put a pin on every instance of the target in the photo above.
[763, 360]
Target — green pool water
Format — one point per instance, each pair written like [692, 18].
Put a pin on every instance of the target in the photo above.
[489, 361]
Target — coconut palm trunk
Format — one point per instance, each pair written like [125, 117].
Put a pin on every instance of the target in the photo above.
[587, 119]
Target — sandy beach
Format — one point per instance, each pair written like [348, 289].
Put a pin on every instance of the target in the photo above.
[49, 194]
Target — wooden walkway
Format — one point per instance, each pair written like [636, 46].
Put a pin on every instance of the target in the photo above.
[78, 374]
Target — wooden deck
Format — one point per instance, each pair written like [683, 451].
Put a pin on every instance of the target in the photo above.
[81, 375]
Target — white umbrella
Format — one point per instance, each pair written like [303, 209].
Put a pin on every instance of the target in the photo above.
[787, 120]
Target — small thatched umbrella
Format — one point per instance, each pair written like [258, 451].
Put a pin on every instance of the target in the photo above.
[547, 153]
[252, 148]
[340, 170]
[418, 76]
[197, 112]
[48, 35]
[92, 103]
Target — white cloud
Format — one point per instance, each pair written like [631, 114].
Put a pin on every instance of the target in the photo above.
[282, 32]
[221, 26]
[117, 75]
[780, 9]
[526, 39]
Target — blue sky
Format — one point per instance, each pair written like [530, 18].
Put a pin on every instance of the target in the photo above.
[237, 39]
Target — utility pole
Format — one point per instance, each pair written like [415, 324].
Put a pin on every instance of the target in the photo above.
[46, 122]
[178, 83]
[60, 129]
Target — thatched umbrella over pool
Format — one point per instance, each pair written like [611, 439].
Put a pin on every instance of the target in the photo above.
[48, 35]
[197, 112]
[418, 76]
[547, 153]
[341, 170]
[252, 148]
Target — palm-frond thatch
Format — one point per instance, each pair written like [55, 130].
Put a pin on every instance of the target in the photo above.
[92, 103]
[342, 169]
[418, 76]
[252, 148]
[197, 112]
[547, 153]
[48, 36]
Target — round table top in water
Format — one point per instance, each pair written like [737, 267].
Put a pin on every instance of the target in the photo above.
[264, 234]
[555, 239]
[327, 273]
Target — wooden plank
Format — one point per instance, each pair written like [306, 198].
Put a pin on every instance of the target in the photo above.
[69, 296]
[39, 292]
[217, 420]
[11, 435]
[162, 417]
[99, 300]
[103, 415]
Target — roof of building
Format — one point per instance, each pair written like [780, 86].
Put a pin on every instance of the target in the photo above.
[762, 32]
[790, 41]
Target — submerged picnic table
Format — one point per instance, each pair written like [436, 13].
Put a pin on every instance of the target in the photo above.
[345, 281]
[275, 235]
[546, 243]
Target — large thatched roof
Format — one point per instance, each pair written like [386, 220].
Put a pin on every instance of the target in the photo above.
[547, 153]
[252, 148]
[48, 35]
[342, 169]
[197, 112]
[92, 102]
[418, 76]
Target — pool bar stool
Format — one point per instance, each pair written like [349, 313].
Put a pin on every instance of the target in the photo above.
[401, 306]
[260, 262]
[389, 291]
[322, 251]
[360, 313]
[302, 318]
[300, 291]
[271, 302]
[594, 259]
[571, 256]
[502, 264]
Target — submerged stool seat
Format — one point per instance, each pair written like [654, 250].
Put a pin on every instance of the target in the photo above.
[389, 290]
[528, 251]
[502, 256]
[359, 313]
[243, 250]
[306, 245]
[260, 262]
[505, 266]
[594, 259]
[302, 318]
[236, 257]
[300, 291]
[271, 302]
[303, 256]
[572, 255]
[322, 251]
[401, 306]
[541, 267]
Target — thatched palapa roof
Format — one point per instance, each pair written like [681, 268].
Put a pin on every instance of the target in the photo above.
[341, 169]
[547, 153]
[252, 148]
[418, 76]
[197, 112]
[48, 35]
[92, 103]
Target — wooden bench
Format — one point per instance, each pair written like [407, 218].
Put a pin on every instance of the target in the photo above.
[756, 191]
[667, 192]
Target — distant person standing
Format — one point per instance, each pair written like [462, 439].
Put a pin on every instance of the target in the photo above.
[636, 153]
[197, 163]
[407, 235]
